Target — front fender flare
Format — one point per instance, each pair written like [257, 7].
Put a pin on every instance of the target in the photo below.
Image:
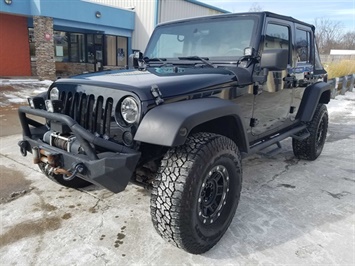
[164, 125]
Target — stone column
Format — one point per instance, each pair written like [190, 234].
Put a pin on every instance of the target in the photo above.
[44, 44]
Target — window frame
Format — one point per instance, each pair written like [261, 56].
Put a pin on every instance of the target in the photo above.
[73, 39]
[311, 42]
[289, 26]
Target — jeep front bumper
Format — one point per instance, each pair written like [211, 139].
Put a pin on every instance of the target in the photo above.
[111, 169]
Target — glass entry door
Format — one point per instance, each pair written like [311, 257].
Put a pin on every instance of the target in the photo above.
[95, 50]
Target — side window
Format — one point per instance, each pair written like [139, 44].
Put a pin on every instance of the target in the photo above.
[303, 45]
[276, 37]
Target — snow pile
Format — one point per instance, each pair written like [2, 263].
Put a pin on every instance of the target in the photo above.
[16, 91]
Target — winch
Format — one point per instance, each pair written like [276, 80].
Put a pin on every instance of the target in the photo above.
[64, 141]
[50, 162]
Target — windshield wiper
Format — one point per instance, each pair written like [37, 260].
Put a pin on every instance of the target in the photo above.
[155, 59]
[147, 59]
[195, 57]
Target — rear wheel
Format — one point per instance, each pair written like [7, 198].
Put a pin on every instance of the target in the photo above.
[311, 148]
[76, 182]
[196, 192]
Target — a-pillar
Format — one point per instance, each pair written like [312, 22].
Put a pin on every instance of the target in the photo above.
[44, 44]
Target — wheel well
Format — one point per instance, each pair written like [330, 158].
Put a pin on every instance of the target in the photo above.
[325, 97]
[226, 126]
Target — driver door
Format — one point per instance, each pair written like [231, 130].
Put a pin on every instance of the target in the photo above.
[273, 101]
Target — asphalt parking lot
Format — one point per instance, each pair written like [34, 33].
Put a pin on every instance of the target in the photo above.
[291, 212]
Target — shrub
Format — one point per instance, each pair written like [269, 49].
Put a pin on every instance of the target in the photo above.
[340, 68]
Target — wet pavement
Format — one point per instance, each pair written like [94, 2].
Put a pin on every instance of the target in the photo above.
[9, 122]
[291, 211]
[13, 184]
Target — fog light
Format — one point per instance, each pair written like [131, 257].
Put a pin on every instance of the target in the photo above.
[128, 138]
[49, 106]
[36, 103]
[30, 103]
[54, 106]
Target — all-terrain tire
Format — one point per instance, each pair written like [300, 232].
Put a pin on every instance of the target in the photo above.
[76, 182]
[196, 192]
[311, 147]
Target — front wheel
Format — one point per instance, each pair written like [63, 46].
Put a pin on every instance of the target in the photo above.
[196, 192]
[311, 147]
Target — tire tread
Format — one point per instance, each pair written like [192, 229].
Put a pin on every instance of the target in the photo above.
[169, 216]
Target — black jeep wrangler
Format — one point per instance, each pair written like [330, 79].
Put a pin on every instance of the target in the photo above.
[207, 92]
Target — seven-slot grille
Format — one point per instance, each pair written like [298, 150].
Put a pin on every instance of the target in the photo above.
[91, 113]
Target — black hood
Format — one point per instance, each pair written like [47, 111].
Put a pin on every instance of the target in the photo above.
[172, 81]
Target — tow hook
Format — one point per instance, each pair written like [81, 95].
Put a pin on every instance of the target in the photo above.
[23, 147]
[70, 174]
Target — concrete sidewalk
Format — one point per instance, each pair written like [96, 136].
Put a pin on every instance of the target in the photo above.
[291, 212]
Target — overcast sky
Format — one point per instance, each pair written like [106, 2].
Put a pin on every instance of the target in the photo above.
[305, 10]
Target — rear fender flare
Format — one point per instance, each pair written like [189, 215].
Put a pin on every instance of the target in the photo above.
[316, 93]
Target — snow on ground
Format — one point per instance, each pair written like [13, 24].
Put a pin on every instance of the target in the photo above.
[341, 101]
[16, 91]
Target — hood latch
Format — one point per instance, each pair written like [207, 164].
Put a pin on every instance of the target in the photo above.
[157, 94]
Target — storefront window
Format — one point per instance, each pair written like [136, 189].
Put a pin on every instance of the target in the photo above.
[86, 48]
[77, 47]
[61, 46]
[69, 47]
[121, 51]
[111, 50]
[91, 48]
[116, 51]
[98, 39]
[95, 50]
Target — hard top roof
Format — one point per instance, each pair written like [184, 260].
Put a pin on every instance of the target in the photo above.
[229, 15]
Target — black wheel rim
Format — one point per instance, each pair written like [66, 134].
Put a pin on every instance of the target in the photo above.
[213, 194]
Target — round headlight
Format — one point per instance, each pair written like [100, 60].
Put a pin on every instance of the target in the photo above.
[54, 94]
[130, 110]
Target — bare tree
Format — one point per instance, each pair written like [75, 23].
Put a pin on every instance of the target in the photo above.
[328, 34]
[348, 41]
[255, 7]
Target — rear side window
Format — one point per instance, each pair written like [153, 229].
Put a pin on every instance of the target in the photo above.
[277, 37]
[303, 46]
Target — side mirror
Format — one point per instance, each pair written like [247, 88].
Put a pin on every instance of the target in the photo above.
[134, 59]
[274, 59]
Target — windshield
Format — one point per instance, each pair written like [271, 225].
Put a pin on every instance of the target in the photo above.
[213, 39]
